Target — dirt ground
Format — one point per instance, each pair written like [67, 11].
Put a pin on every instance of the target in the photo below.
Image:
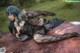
[12, 45]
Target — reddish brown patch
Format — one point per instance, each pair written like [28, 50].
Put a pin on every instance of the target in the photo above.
[30, 46]
[65, 27]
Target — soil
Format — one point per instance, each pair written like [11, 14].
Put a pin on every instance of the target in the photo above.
[12, 45]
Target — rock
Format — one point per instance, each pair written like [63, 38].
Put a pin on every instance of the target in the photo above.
[2, 50]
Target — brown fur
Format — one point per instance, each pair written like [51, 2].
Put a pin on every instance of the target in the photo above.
[30, 46]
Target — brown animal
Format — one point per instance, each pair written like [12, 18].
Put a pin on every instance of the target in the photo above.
[71, 45]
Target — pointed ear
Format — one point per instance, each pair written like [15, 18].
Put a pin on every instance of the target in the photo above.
[47, 13]
[50, 14]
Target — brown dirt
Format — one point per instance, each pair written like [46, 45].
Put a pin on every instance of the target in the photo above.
[12, 45]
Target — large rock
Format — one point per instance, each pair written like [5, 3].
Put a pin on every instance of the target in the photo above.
[71, 45]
